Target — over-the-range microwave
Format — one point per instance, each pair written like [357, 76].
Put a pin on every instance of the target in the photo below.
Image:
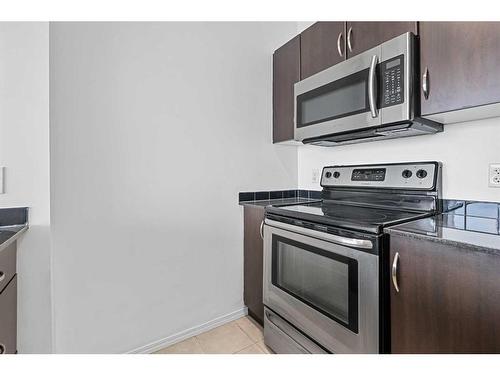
[371, 96]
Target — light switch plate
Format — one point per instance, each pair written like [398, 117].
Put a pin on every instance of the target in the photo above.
[1, 180]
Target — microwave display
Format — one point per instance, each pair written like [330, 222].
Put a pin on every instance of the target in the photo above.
[368, 174]
[392, 81]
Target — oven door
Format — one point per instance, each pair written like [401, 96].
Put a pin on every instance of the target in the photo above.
[327, 290]
[368, 90]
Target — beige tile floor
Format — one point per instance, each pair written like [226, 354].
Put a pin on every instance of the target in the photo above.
[241, 336]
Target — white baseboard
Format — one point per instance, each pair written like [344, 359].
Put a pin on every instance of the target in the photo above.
[183, 335]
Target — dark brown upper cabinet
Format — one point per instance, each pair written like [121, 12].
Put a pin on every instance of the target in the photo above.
[286, 71]
[361, 36]
[462, 62]
[448, 299]
[322, 45]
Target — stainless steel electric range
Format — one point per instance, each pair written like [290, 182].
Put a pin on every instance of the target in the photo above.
[326, 271]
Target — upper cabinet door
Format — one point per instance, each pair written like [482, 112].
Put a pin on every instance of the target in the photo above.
[286, 71]
[462, 61]
[361, 36]
[321, 46]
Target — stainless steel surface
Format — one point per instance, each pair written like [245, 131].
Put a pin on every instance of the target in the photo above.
[352, 242]
[334, 73]
[393, 177]
[2, 276]
[372, 86]
[394, 272]
[261, 229]
[399, 113]
[405, 110]
[2, 348]
[324, 330]
[349, 36]
[425, 83]
[283, 338]
[339, 47]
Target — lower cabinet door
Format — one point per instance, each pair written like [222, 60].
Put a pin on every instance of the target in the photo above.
[253, 258]
[444, 299]
[8, 318]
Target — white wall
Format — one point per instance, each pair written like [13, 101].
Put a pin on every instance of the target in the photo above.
[24, 151]
[466, 150]
[154, 130]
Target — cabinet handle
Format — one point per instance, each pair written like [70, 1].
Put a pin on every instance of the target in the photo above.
[261, 230]
[349, 34]
[339, 47]
[2, 276]
[2, 348]
[425, 83]
[395, 272]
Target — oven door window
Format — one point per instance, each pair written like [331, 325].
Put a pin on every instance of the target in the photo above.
[325, 281]
[344, 97]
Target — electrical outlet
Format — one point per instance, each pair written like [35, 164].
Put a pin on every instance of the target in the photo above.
[494, 175]
[315, 176]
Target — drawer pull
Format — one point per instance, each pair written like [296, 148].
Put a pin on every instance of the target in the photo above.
[2, 276]
[2, 348]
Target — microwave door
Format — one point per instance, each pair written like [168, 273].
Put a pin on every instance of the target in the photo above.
[339, 99]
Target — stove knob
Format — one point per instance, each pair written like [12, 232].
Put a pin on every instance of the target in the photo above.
[421, 173]
[328, 174]
[336, 174]
[406, 173]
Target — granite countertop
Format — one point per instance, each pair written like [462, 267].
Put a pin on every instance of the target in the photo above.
[471, 225]
[13, 223]
[282, 201]
[11, 233]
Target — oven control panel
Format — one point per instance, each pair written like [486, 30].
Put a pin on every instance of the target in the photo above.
[417, 176]
[392, 81]
[368, 174]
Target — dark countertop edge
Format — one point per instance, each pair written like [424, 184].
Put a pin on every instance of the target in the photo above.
[463, 245]
[21, 228]
[286, 201]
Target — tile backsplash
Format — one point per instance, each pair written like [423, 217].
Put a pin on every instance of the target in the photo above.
[277, 194]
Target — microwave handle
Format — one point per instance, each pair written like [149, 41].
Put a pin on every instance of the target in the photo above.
[372, 87]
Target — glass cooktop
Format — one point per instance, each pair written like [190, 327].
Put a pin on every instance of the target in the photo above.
[347, 216]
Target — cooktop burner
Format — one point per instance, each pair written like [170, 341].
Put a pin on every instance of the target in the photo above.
[366, 219]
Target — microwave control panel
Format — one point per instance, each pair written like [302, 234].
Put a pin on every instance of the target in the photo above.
[392, 74]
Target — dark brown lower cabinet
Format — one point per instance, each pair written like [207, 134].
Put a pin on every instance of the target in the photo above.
[8, 318]
[253, 262]
[448, 299]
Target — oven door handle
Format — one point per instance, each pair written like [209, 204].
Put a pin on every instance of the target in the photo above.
[339, 240]
[372, 87]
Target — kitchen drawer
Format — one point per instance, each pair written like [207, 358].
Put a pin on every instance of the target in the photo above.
[8, 318]
[7, 265]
